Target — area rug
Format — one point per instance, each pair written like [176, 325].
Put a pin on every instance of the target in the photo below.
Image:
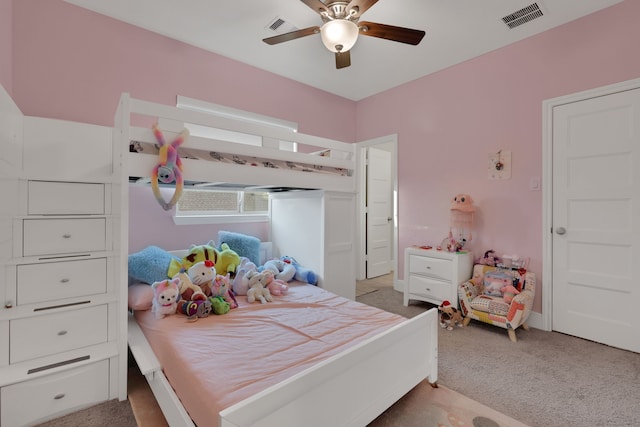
[425, 406]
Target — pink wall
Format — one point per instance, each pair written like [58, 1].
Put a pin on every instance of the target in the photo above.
[74, 64]
[6, 44]
[448, 123]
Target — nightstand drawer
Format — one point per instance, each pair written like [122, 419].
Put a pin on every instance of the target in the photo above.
[62, 236]
[433, 267]
[44, 335]
[431, 289]
[59, 280]
[54, 395]
[65, 198]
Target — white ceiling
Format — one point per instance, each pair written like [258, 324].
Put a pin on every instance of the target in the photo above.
[456, 30]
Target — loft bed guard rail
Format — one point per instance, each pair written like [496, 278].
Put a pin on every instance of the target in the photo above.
[321, 163]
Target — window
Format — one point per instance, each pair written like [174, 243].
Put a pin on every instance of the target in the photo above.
[215, 206]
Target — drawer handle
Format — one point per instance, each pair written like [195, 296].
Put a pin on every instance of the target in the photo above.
[64, 281]
[61, 333]
[59, 396]
[428, 267]
[8, 304]
[66, 236]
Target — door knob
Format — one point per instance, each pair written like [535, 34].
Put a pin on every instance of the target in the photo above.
[561, 230]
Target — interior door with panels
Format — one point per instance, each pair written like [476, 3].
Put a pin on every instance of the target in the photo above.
[596, 193]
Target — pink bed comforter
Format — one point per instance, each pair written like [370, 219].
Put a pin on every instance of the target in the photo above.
[218, 361]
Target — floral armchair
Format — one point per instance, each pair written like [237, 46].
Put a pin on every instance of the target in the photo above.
[502, 306]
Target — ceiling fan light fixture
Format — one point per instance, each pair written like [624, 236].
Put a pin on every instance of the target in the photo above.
[339, 35]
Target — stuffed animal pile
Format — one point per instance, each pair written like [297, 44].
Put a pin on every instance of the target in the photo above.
[209, 278]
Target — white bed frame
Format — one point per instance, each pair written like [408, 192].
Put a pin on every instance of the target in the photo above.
[349, 389]
[174, 119]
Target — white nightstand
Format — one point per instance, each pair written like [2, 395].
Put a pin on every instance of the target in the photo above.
[433, 276]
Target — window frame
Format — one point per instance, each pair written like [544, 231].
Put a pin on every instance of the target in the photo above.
[221, 217]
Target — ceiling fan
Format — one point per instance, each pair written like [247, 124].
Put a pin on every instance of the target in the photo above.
[341, 28]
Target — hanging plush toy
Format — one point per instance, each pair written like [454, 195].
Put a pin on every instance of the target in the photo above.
[169, 167]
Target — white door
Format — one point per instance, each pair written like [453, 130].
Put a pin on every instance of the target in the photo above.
[379, 214]
[596, 219]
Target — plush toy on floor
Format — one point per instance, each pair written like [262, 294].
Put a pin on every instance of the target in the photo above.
[257, 291]
[165, 297]
[302, 274]
[169, 167]
[449, 316]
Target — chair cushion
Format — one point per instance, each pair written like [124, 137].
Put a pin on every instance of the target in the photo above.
[490, 304]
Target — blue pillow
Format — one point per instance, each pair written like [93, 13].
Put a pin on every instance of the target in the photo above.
[150, 264]
[243, 245]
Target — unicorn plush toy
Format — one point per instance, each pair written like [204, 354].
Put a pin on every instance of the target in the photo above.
[169, 167]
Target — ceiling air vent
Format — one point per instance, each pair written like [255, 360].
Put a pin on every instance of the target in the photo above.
[522, 16]
[280, 26]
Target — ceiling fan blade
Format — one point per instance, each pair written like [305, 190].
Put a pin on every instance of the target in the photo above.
[358, 7]
[291, 35]
[389, 32]
[317, 6]
[343, 59]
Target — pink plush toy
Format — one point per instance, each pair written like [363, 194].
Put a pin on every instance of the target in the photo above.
[277, 287]
[508, 292]
[169, 167]
[165, 297]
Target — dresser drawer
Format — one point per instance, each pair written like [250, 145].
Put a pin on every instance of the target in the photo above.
[43, 335]
[60, 236]
[428, 288]
[65, 198]
[59, 280]
[433, 267]
[54, 395]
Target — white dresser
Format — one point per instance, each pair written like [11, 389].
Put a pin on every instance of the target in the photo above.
[61, 340]
[433, 276]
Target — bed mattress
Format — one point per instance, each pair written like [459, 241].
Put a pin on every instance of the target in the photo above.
[215, 362]
[216, 156]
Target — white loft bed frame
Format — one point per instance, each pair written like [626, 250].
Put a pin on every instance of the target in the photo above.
[348, 389]
[198, 170]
